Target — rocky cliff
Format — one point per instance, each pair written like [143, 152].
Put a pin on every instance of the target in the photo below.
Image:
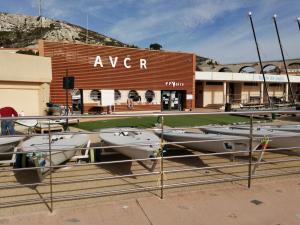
[19, 31]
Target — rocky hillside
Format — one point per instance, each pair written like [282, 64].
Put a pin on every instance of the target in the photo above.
[18, 31]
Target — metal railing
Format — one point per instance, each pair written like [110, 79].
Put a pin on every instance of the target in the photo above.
[254, 99]
[164, 177]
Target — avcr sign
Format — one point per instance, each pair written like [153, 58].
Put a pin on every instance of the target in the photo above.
[114, 61]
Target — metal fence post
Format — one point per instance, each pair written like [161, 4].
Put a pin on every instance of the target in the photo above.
[250, 151]
[162, 159]
[50, 159]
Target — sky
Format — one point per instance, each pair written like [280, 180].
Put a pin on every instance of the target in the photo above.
[218, 29]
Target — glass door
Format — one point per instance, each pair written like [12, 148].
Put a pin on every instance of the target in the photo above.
[172, 100]
[165, 101]
[77, 101]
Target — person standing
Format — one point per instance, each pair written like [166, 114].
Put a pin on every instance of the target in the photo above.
[130, 103]
[7, 124]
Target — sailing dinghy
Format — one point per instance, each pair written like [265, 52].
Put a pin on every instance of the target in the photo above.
[209, 142]
[8, 143]
[278, 139]
[132, 142]
[36, 151]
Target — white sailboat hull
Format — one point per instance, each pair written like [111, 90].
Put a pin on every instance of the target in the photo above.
[288, 128]
[63, 147]
[278, 139]
[210, 142]
[135, 143]
[8, 143]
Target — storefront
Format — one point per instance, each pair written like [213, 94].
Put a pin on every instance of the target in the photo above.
[121, 79]
[218, 88]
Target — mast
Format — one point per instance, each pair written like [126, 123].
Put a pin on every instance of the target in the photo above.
[284, 63]
[261, 66]
[298, 20]
[67, 101]
[87, 29]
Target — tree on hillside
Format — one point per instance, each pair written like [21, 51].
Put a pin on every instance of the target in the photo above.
[212, 63]
[133, 46]
[155, 46]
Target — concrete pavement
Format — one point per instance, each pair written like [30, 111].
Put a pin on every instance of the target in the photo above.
[268, 202]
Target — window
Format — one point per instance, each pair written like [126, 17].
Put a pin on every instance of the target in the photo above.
[95, 95]
[149, 95]
[214, 83]
[247, 69]
[134, 96]
[275, 85]
[271, 69]
[117, 95]
[253, 84]
[75, 93]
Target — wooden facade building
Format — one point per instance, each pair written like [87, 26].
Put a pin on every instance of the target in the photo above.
[138, 79]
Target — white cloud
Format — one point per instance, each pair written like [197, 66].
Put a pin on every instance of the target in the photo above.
[216, 28]
[234, 43]
[167, 19]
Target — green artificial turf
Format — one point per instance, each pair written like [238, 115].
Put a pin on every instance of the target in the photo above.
[172, 121]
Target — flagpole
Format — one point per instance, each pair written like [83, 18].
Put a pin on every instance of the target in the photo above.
[40, 7]
[40, 15]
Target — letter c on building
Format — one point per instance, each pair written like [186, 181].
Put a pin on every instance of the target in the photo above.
[125, 63]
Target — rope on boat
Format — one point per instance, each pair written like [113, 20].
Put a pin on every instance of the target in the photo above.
[264, 145]
[160, 151]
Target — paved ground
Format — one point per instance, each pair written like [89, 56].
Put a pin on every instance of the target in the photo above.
[267, 202]
[26, 200]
